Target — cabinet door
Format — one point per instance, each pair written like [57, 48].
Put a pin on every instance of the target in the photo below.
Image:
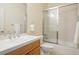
[25, 49]
[36, 51]
[67, 24]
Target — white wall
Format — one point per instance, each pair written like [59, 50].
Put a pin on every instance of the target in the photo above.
[35, 17]
[50, 5]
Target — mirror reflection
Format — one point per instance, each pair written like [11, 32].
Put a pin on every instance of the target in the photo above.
[12, 18]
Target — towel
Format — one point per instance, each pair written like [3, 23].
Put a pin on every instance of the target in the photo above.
[76, 37]
[17, 28]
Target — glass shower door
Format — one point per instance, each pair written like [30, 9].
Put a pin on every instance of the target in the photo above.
[60, 24]
[67, 24]
[51, 25]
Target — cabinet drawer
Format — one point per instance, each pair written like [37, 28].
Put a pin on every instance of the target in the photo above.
[25, 49]
[36, 51]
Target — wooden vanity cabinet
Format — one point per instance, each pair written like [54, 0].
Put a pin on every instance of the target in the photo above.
[32, 48]
[34, 52]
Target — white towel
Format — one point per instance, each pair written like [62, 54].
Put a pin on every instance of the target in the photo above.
[17, 28]
[76, 37]
[1, 27]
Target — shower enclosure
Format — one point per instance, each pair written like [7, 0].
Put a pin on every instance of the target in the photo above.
[59, 24]
[51, 25]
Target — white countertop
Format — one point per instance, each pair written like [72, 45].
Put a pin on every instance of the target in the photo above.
[7, 45]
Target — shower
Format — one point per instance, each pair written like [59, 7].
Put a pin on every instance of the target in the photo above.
[51, 25]
[59, 24]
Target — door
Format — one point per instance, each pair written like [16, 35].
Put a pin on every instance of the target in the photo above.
[51, 25]
[67, 24]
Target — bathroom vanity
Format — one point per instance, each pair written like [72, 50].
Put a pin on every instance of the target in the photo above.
[13, 23]
[32, 48]
[23, 45]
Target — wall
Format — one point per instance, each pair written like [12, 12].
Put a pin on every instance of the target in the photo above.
[50, 5]
[35, 17]
[14, 13]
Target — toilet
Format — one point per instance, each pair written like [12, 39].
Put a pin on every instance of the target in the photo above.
[46, 48]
